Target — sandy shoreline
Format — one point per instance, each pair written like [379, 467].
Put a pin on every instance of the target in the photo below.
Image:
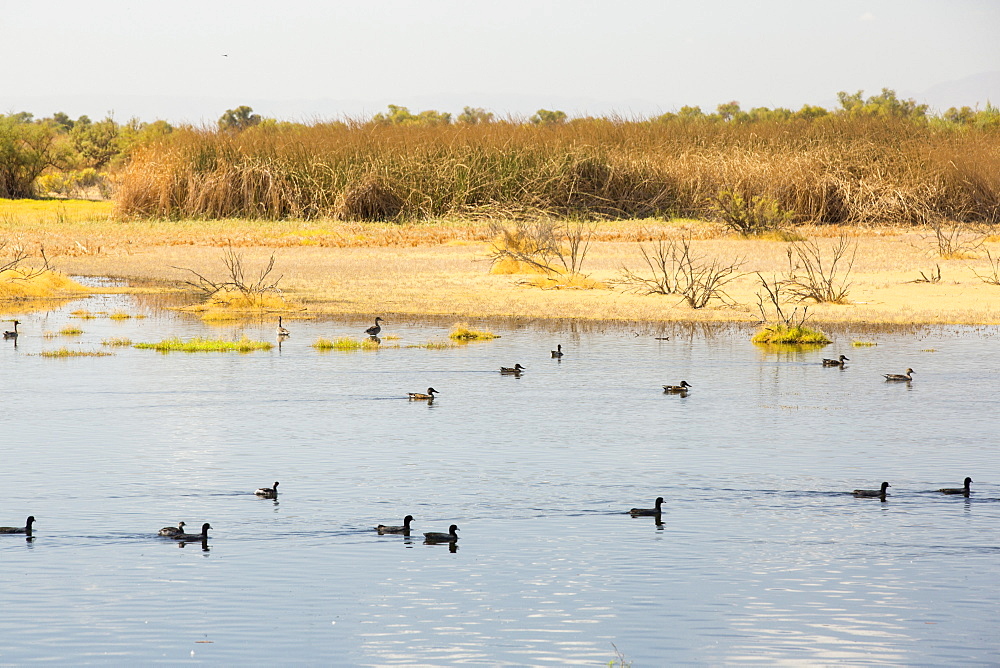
[452, 278]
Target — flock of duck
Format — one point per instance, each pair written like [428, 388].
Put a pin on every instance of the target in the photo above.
[178, 532]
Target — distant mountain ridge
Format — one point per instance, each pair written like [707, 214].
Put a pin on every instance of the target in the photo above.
[972, 91]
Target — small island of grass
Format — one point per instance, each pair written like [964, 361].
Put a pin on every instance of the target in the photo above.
[202, 345]
[782, 334]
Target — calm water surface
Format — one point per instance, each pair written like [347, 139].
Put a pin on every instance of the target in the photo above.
[762, 556]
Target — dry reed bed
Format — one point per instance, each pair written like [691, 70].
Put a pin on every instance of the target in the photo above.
[837, 170]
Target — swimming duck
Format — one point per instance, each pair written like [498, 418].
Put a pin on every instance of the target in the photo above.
[405, 529]
[170, 532]
[420, 396]
[438, 537]
[557, 353]
[268, 492]
[899, 376]
[374, 329]
[872, 493]
[26, 529]
[12, 335]
[836, 362]
[958, 490]
[516, 369]
[194, 536]
[677, 389]
[636, 512]
[281, 330]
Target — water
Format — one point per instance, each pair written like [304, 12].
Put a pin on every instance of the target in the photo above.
[762, 555]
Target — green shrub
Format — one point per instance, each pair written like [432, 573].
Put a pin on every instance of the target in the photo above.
[750, 216]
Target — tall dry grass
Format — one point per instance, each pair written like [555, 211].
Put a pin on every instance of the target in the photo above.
[831, 170]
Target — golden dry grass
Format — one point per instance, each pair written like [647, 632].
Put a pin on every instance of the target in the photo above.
[26, 284]
[441, 268]
[835, 169]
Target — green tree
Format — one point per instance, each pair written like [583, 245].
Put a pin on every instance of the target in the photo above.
[238, 119]
[810, 112]
[401, 116]
[546, 117]
[26, 150]
[883, 105]
[96, 143]
[690, 113]
[963, 116]
[729, 111]
[758, 114]
[475, 116]
[62, 121]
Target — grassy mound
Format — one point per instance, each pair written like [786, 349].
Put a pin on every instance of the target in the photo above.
[785, 334]
[345, 343]
[66, 352]
[463, 333]
[27, 284]
[201, 345]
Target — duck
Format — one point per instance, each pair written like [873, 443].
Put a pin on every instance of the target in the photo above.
[374, 329]
[836, 362]
[194, 536]
[268, 492]
[12, 335]
[637, 512]
[677, 389]
[557, 353]
[438, 537]
[281, 330]
[907, 377]
[170, 532]
[405, 529]
[26, 529]
[516, 369]
[420, 396]
[964, 491]
[872, 493]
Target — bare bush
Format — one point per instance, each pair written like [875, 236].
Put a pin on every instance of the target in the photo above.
[932, 276]
[954, 241]
[993, 277]
[550, 246]
[18, 260]
[769, 305]
[676, 271]
[811, 276]
[237, 280]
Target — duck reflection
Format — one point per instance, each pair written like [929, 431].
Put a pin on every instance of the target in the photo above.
[203, 542]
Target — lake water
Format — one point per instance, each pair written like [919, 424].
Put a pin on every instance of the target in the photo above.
[762, 555]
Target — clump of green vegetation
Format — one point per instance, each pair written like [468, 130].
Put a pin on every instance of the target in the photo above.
[66, 352]
[434, 345]
[83, 314]
[750, 215]
[202, 345]
[117, 342]
[345, 343]
[70, 331]
[463, 333]
[863, 344]
[121, 315]
[790, 334]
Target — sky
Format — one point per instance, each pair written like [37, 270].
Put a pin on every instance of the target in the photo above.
[306, 60]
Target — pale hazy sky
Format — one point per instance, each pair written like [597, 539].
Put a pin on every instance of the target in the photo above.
[310, 59]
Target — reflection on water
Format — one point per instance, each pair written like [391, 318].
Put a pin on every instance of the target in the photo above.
[760, 554]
